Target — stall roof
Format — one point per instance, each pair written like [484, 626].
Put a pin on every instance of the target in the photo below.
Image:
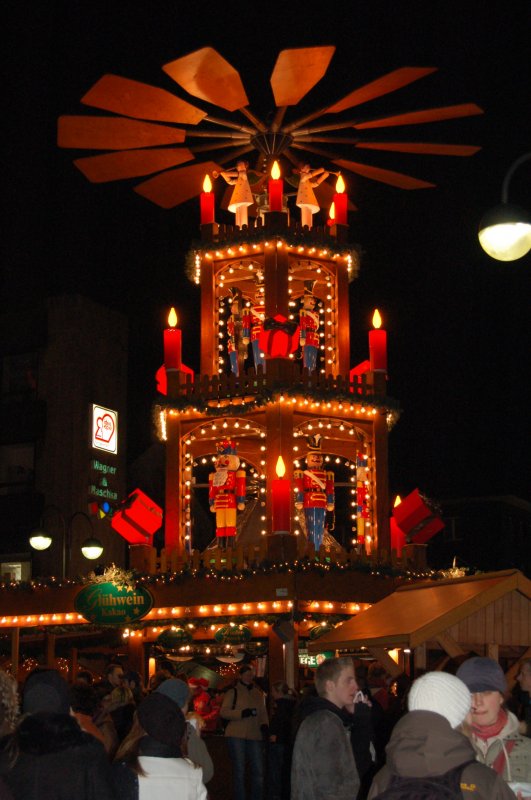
[419, 612]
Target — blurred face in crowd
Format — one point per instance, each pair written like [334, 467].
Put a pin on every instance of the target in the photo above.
[341, 691]
[116, 676]
[247, 677]
[524, 677]
[485, 707]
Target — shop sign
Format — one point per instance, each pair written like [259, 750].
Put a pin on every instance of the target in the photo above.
[174, 637]
[104, 429]
[313, 661]
[236, 634]
[106, 604]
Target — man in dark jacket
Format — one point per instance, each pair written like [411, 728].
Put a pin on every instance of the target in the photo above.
[323, 765]
[426, 744]
[49, 756]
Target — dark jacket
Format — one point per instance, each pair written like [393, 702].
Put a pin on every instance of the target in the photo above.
[423, 745]
[323, 766]
[56, 760]
[281, 720]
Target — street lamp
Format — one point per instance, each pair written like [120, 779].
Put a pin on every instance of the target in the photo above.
[505, 231]
[41, 539]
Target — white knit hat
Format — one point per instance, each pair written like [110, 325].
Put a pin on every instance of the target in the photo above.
[441, 693]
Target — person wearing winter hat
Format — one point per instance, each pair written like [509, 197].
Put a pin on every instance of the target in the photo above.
[426, 744]
[493, 730]
[50, 756]
[150, 761]
[179, 691]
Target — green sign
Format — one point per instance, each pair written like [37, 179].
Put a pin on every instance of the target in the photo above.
[105, 604]
[233, 634]
[306, 660]
[173, 638]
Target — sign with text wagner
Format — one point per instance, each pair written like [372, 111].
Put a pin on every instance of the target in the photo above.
[104, 434]
[106, 604]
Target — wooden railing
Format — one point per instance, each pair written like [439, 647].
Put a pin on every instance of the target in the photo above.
[289, 378]
[328, 236]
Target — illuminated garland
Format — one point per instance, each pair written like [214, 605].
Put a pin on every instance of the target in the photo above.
[259, 236]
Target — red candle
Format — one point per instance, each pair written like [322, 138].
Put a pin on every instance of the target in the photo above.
[340, 202]
[378, 345]
[275, 189]
[398, 537]
[281, 500]
[172, 343]
[207, 202]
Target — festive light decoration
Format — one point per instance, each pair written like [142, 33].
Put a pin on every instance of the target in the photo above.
[378, 344]
[207, 202]
[172, 343]
[275, 189]
[340, 202]
[281, 499]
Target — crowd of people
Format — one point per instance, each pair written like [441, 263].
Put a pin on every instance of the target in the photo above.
[353, 735]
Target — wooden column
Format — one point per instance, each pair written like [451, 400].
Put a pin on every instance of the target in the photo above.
[342, 321]
[276, 280]
[173, 535]
[135, 654]
[381, 479]
[276, 658]
[50, 650]
[209, 338]
[15, 651]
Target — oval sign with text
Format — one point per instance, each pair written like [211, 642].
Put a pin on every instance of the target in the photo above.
[106, 604]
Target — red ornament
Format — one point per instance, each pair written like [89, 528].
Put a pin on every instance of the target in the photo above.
[418, 522]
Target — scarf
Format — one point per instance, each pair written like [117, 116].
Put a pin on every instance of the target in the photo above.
[485, 732]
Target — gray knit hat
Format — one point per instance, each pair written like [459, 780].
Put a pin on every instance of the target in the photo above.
[482, 675]
[441, 693]
[176, 689]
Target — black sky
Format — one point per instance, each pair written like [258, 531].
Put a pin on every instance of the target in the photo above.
[458, 322]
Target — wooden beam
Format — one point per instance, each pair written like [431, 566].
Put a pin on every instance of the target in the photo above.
[513, 671]
[381, 655]
[419, 655]
[449, 645]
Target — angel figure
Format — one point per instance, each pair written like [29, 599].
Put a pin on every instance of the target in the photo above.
[242, 196]
[306, 199]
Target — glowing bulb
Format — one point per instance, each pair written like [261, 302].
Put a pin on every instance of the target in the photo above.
[172, 318]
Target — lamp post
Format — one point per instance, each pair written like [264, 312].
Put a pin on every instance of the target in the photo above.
[505, 231]
[41, 539]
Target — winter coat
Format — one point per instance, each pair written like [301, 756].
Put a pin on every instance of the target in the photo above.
[166, 776]
[323, 766]
[56, 760]
[515, 747]
[244, 727]
[281, 719]
[423, 744]
[198, 752]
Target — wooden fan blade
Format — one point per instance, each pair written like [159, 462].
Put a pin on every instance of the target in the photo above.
[139, 100]
[426, 148]
[113, 133]
[297, 71]
[207, 75]
[420, 117]
[384, 175]
[176, 186]
[387, 83]
[131, 163]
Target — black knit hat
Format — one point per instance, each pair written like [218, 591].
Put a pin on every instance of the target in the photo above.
[162, 719]
[45, 690]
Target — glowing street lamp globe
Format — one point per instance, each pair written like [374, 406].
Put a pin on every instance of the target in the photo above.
[505, 232]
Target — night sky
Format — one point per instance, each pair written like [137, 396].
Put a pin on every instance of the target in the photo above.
[458, 322]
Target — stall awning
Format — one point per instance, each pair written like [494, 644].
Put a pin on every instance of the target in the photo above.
[417, 613]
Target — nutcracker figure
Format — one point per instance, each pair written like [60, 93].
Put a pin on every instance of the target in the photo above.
[309, 327]
[306, 200]
[253, 321]
[234, 329]
[226, 491]
[314, 491]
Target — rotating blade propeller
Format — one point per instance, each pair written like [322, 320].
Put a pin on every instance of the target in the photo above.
[207, 75]
[113, 133]
[425, 148]
[384, 85]
[131, 163]
[141, 101]
[176, 186]
[421, 117]
[297, 71]
[397, 179]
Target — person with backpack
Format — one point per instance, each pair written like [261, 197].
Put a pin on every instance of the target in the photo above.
[427, 758]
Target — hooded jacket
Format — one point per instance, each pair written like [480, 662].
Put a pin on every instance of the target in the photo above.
[56, 760]
[423, 744]
[323, 766]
